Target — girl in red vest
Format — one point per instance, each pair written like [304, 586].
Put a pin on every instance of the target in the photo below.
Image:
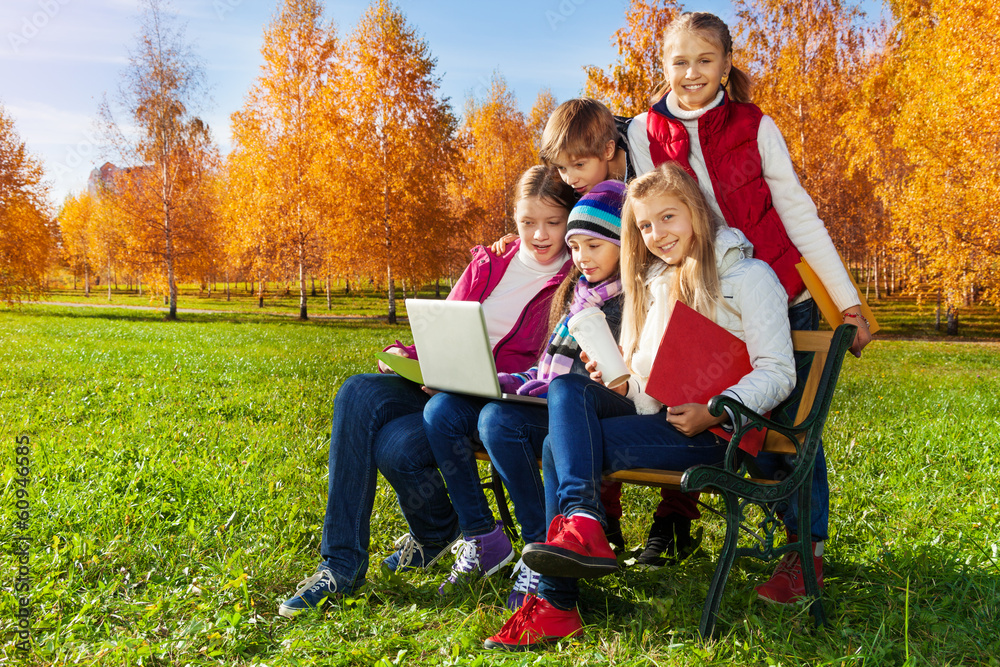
[706, 123]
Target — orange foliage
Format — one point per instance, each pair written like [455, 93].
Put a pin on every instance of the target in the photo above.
[922, 127]
[396, 146]
[162, 207]
[628, 85]
[26, 237]
[807, 61]
[278, 174]
[497, 145]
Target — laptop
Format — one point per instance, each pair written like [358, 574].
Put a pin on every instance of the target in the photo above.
[454, 350]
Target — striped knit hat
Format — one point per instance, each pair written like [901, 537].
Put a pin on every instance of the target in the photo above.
[599, 213]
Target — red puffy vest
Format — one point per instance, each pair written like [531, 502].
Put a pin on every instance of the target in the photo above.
[728, 136]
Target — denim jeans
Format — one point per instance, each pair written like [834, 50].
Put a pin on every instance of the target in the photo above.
[513, 434]
[378, 426]
[450, 422]
[593, 430]
[804, 317]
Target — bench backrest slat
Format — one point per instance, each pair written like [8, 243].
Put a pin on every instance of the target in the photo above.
[817, 342]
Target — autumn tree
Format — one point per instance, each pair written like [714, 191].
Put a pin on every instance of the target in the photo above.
[627, 85]
[171, 149]
[399, 134]
[279, 153]
[938, 71]
[543, 107]
[497, 144]
[76, 222]
[805, 59]
[26, 234]
[869, 126]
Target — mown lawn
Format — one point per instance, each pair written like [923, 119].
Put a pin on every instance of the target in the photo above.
[178, 485]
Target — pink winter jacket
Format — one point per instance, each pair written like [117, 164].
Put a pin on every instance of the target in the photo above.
[522, 346]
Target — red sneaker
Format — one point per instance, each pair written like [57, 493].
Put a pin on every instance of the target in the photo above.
[576, 547]
[536, 624]
[787, 585]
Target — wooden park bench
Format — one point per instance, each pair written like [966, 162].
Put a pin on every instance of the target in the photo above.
[795, 429]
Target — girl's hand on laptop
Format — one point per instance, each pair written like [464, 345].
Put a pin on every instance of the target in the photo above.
[429, 392]
[692, 418]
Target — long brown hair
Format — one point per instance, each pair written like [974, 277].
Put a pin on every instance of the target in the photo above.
[714, 30]
[696, 278]
[544, 183]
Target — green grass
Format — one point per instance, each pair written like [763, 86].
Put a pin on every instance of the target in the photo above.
[908, 317]
[178, 489]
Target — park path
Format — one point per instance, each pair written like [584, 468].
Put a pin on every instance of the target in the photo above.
[343, 318]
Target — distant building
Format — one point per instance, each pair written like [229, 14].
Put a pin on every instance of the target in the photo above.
[105, 176]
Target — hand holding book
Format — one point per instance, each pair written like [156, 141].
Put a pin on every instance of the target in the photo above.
[692, 418]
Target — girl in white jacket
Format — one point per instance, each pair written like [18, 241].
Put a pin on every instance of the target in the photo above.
[671, 251]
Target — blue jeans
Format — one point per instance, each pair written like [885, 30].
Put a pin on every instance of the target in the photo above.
[450, 422]
[804, 317]
[593, 430]
[513, 434]
[378, 426]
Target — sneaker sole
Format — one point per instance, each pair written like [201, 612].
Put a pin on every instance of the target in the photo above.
[555, 561]
[546, 641]
[496, 568]
[291, 612]
[789, 603]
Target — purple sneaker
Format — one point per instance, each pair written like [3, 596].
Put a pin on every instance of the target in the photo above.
[526, 584]
[480, 555]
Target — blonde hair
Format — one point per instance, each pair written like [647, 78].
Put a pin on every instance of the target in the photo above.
[578, 128]
[544, 183]
[695, 278]
[714, 30]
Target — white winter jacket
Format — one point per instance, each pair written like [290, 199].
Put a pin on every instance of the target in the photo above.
[757, 315]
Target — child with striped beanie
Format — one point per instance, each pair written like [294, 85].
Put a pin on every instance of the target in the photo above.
[513, 433]
[593, 234]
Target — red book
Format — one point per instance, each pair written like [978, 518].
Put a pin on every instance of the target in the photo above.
[697, 359]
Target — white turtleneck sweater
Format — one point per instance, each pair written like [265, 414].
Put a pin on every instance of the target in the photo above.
[792, 203]
[522, 280]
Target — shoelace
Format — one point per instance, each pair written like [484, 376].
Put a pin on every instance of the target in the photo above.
[407, 547]
[787, 566]
[527, 579]
[316, 582]
[467, 558]
[521, 621]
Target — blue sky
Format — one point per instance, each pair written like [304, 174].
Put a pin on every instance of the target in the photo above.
[59, 57]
